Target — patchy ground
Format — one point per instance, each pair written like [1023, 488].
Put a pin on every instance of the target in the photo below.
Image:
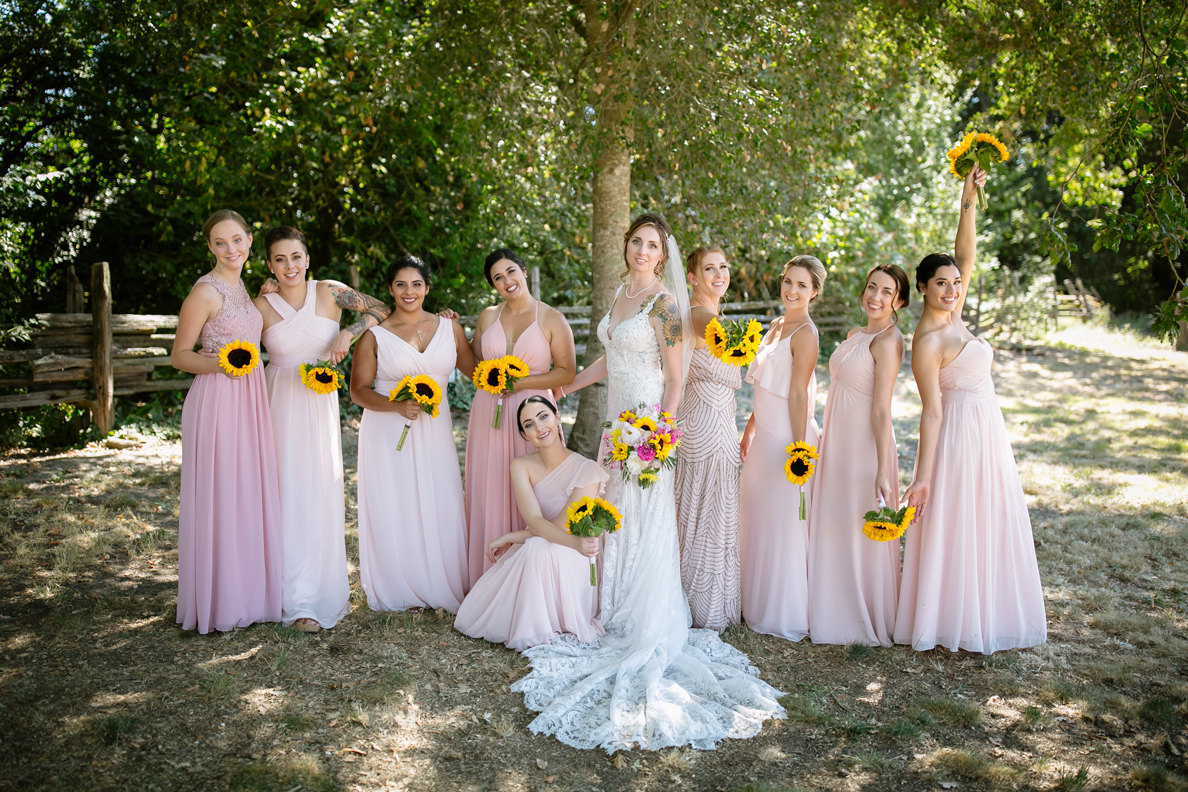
[99, 690]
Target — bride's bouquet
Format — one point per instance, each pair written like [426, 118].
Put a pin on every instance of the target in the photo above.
[592, 517]
[640, 442]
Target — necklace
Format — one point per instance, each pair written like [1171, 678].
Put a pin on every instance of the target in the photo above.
[631, 296]
[416, 328]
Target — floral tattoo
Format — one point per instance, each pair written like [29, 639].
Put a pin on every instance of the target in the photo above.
[371, 311]
[665, 310]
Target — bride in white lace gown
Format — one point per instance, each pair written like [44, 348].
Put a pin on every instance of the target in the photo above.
[651, 681]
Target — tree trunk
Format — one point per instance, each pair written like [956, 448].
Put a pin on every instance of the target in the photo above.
[610, 70]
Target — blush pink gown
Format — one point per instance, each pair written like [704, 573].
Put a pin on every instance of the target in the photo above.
[970, 577]
[309, 464]
[490, 506]
[229, 532]
[853, 581]
[538, 589]
[412, 528]
[773, 541]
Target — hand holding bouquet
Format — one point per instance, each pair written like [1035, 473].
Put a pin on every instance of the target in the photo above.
[885, 524]
[730, 341]
[322, 377]
[799, 468]
[420, 388]
[592, 517]
[238, 357]
[497, 376]
[980, 149]
[641, 442]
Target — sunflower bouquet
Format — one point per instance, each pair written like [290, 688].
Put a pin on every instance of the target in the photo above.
[799, 468]
[238, 357]
[321, 377]
[420, 388]
[731, 341]
[640, 442]
[592, 517]
[885, 524]
[976, 148]
[497, 376]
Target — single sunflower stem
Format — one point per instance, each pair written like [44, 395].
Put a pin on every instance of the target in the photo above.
[498, 412]
[983, 201]
[802, 502]
[404, 434]
[593, 575]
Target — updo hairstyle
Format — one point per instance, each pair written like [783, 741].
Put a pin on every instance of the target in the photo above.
[404, 262]
[693, 260]
[926, 269]
[816, 271]
[660, 224]
[220, 216]
[496, 257]
[535, 398]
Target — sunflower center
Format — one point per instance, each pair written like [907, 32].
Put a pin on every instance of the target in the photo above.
[424, 390]
[239, 358]
[493, 378]
[324, 377]
[799, 466]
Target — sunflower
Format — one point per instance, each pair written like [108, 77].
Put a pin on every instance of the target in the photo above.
[514, 367]
[592, 517]
[881, 531]
[739, 355]
[976, 149]
[662, 442]
[321, 377]
[754, 333]
[427, 393]
[645, 424]
[238, 357]
[577, 511]
[715, 338]
[799, 469]
[627, 416]
[886, 524]
[490, 376]
[620, 452]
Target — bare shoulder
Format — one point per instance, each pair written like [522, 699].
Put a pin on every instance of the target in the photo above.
[805, 338]
[486, 317]
[889, 342]
[528, 463]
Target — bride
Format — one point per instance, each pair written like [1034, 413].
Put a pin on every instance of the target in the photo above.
[651, 681]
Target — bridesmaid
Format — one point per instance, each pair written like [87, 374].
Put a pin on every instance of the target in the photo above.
[412, 527]
[228, 544]
[540, 336]
[970, 577]
[301, 326]
[854, 581]
[707, 466]
[540, 582]
[773, 542]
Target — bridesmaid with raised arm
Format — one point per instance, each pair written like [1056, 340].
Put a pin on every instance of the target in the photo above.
[412, 527]
[853, 580]
[301, 327]
[229, 532]
[707, 466]
[773, 541]
[970, 577]
[539, 585]
[523, 326]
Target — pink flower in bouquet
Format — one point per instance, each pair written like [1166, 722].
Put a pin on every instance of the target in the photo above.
[646, 452]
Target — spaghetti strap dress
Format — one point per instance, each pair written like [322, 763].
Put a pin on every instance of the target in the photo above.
[539, 589]
[309, 465]
[412, 527]
[970, 577]
[491, 508]
[773, 540]
[853, 580]
[229, 533]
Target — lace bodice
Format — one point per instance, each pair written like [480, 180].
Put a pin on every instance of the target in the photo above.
[237, 320]
[633, 371]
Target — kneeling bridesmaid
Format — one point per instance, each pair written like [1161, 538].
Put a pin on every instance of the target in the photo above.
[412, 527]
[540, 582]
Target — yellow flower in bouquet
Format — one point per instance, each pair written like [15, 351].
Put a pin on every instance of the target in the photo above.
[627, 416]
[645, 424]
[497, 376]
[886, 524]
[420, 388]
[238, 357]
[620, 452]
[321, 377]
[663, 443]
[732, 342]
[976, 148]
[592, 517]
[799, 467]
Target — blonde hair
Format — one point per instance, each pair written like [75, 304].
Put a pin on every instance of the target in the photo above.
[816, 271]
[693, 260]
[657, 222]
[220, 216]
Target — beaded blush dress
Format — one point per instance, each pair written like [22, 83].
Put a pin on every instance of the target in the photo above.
[228, 544]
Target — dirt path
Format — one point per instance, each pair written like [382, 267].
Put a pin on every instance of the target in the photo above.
[99, 689]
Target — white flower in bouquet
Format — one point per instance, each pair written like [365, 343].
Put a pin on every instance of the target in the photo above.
[635, 466]
[630, 435]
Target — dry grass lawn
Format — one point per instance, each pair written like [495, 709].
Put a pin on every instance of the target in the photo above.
[100, 690]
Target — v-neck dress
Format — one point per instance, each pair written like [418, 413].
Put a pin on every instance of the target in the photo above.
[412, 528]
[491, 510]
[308, 438]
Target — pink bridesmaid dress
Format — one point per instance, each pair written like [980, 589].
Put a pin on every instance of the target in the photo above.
[412, 528]
[853, 581]
[538, 589]
[228, 533]
[309, 464]
[773, 541]
[970, 578]
[490, 505]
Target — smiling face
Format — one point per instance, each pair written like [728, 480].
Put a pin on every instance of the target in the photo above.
[230, 244]
[881, 296]
[540, 425]
[408, 289]
[796, 289]
[644, 252]
[943, 289]
[711, 276]
[509, 279]
[289, 261]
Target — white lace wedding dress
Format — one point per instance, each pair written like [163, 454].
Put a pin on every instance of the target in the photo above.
[650, 681]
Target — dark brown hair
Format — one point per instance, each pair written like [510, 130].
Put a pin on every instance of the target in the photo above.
[903, 291]
[926, 269]
[279, 234]
[534, 398]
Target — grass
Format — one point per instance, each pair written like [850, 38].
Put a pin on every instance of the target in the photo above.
[1072, 780]
[1157, 778]
[301, 774]
[952, 712]
[113, 728]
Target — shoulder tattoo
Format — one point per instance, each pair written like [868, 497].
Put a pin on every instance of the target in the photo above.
[665, 310]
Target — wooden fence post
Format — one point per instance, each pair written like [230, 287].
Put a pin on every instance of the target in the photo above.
[353, 277]
[534, 282]
[103, 408]
[75, 301]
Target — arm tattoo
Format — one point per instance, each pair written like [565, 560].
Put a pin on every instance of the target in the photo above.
[965, 206]
[665, 310]
[371, 311]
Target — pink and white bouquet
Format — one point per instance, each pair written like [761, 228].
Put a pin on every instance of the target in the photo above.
[641, 442]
